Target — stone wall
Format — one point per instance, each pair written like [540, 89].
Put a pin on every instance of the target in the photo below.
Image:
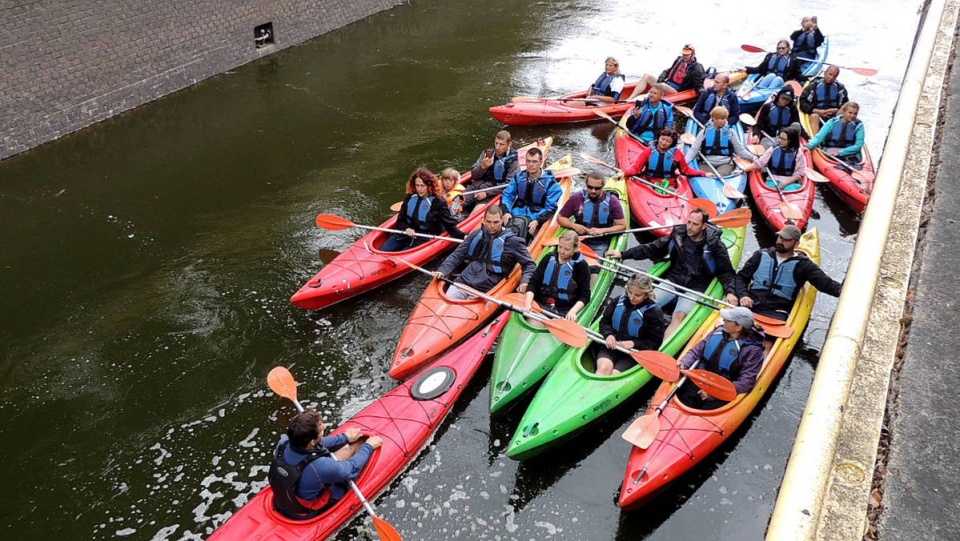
[67, 64]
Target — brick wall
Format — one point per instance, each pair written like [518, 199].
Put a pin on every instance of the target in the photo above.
[67, 64]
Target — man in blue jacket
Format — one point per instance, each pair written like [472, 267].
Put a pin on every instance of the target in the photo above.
[533, 197]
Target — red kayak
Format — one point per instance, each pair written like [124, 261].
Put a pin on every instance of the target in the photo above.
[770, 202]
[853, 184]
[404, 421]
[358, 270]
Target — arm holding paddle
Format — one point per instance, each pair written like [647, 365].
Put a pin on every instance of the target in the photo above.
[824, 132]
[799, 167]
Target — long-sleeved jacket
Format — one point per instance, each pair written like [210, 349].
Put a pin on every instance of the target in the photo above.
[808, 98]
[680, 164]
[580, 284]
[517, 204]
[792, 72]
[438, 219]
[681, 272]
[765, 301]
[693, 79]
[326, 472]
[479, 273]
[738, 148]
[764, 125]
[799, 48]
[708, 100]
[827, 129]
[651, 332]
[507, 167]
[744, 371]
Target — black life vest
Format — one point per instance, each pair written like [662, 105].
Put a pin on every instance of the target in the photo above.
[284, 478]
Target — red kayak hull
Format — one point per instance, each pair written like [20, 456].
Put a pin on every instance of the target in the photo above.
[404, 423]
[855, 193]
[651, 208]
[768, 199]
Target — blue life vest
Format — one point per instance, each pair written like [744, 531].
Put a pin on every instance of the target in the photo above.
[596, 214]
[778, 279]
[778, 65]
[489, 252]
[500, 165]
[629, 322]
[707, 255]
[711, 101]
[284, 479]
[717, 142]
[826, 96]
[650, 121]
[778, 117]
[721, 354]
[661, 164]
[533, 194]
[783, 162]
[602, 84]
[417, 210]
[843, 134]
[805, 42]
[558, 279]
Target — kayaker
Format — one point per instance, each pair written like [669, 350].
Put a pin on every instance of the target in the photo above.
[777, 68]
[842, 136]
[772, 278]
[561, 283]
[661, 163]
[787, 163]
[634, 321]
[732, 351]
[697, 254]
[424, 210]
[719, 95]
[808, 39]
[494, 167]
[452, 190]
[305, 477]
[775, 115]
[684, 74]
[651, 115]
[609, 85]
[822, 98]
[594, 211]
[719, 143]
[490, 254]
[531, 198]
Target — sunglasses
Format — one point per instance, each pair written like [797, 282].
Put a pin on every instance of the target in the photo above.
[594, 188]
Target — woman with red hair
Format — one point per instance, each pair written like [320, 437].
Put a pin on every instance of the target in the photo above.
[423, 211]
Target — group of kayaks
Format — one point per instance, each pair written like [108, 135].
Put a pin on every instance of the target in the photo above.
[444, 341]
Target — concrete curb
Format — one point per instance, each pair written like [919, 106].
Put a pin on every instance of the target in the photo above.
[827, 484]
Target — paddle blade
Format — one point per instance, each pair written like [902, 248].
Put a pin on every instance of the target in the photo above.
[281, 382]
[814, 176]
[731, 192]
[515, 298]
[714, 385]
[747, 119]
[705, 204]
[333, 223]
[396, 206]
[753, 49]
[568, 332]
[775, 331]
[868, 72]
[791, 211]
[735, 218]
[527, 99]
[643, 431]
[597, 161]
[385, 530]
[683, 110]
[588, 251]
[659, 364]
[566, 172]
[688, 138]
[601, 114]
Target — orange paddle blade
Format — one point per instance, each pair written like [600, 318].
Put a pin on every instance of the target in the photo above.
[705, 204]
[568, 332]
[659, 364]
[396, 206]
[790, 210]
[385, 530]
[753, 49]
[643, 431]
[868, 72]
[333, 223]
[515, 298]
[601, 114]
[281, 382]
[735, 218]
[683, 110]
[714, 385]
[775, 331]
[731, 192]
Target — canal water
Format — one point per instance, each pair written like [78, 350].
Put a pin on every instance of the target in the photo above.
[147, 264]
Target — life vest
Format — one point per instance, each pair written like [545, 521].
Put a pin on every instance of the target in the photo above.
[417, 210]
[712, 101]
[596, 214]
[661, 164]
[706, 255]
[534, 193]
[679, 72]
[649, 120]
[826, 96]
[778, 117]
[720, 354]
[717, 142]
[489, 252]
[558, 278]
[783, 162]
[500, 165]
[284, 478]
[843, 134]
[778, 65]
[602, 84]
[778, 279]
[629, 322]
[805, 42]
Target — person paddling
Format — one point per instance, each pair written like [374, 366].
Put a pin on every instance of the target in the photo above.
[495, 166]
[309, 472]
[719, 143]
[424, 211]
[561, 283]
[786, 162]
[842, 135]
[633, 321]
[777, 68]
[663, 162]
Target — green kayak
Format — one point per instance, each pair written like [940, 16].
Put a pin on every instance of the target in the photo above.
[527, 353]
[573, 396]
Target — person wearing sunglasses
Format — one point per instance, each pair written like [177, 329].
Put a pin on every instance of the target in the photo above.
[594, 211]
[778, 67]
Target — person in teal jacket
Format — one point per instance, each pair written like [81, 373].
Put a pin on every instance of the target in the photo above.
[842, 136]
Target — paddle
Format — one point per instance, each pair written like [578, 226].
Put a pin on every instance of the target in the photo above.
[862, 71]
[729, 191]
[732, 219]
[336, 223]
[857, 175]
[568, 332]
[399, 204]
[281, 382]
[644, 430]
[659, 364]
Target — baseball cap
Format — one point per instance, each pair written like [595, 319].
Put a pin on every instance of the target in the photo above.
[688, 49]
[739, 315]
[790, 232]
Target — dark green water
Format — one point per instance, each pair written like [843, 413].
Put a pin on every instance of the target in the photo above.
[147, 264]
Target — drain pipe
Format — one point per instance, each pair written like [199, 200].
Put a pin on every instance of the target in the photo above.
[809, 470]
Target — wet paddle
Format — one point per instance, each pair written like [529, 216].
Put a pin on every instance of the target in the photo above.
[281, 382]
[867, 72]
[728, 191]
[857, 175]
[645, 429]
[812, 174]
[568, 332]
[336, 223]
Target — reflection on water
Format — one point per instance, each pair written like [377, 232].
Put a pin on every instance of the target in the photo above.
[148, 262]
